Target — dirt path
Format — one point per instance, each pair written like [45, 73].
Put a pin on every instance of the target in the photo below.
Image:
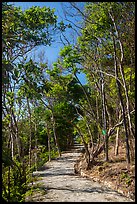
[62, 185]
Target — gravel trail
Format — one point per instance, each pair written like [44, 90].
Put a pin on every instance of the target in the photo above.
[62, 185]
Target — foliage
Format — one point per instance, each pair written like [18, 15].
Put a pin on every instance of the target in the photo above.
[46, 109]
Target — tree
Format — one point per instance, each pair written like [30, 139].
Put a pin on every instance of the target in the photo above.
[21, 32]
[96, 43]
[94, 55]
[46, 107]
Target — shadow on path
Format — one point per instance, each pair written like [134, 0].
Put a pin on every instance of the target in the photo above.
[86, 190]
[60, 182]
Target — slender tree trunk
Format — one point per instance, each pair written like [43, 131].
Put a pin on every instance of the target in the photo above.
[10, 147]
[132, 149]
[122, 104]
[12, 140]
[24, 171]
[97, 109]
[117, 142]
[117, 136]
[98, 124]
[30, 135]
[91, 144]
[49, 150]
[126, 91]
[36, 146]
[86, 95]
[55, 136]
[104, 119]
[54, 125]
[90, 148]
[85, 146]
[109, 116]
[18, 140]
[18, 143]
[14, 129]
[9, 184]
[125, 87]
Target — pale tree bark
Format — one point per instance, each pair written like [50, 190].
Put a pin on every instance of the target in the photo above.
[16, 132]
[117, 142]
[125, 86]
[117, 137]
[86, 95]
[109, 133]
[97, 109]
[55, 135]
[11, 140]
[132, 149]
[87, 153]
[50, 107]
[49, 147]
[131, 130]
[104, 121]
[14, 137]
[90, 144]
[121, 103]
[109, 116]
[30, 134]
[14, 127]
[98, 125]
[36, 146]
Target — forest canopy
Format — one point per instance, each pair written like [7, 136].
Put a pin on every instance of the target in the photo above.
[45, 109]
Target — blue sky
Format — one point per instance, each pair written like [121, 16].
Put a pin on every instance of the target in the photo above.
[52, 52]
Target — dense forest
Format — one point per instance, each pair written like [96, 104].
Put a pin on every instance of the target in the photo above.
[46, 108]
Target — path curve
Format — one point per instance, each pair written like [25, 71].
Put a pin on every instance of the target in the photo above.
[62, 185]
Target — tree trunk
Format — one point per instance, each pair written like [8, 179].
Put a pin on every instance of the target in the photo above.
[30, 135]
[125, 86]
[36, 146]
[55, 136]
[122, 104]
[117, 142]
[132, 149]
[86, 95]
[104, 118]
[50, 107]
[49, 150]
[109, 116]
[12, 140]
[98, 151]
[18, 142]
[117, 136]
[9, 184]
[90, 148]
[86, 147]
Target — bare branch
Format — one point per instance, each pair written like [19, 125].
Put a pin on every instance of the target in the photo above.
[110, 75]
[66, 39]
[111, 130]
